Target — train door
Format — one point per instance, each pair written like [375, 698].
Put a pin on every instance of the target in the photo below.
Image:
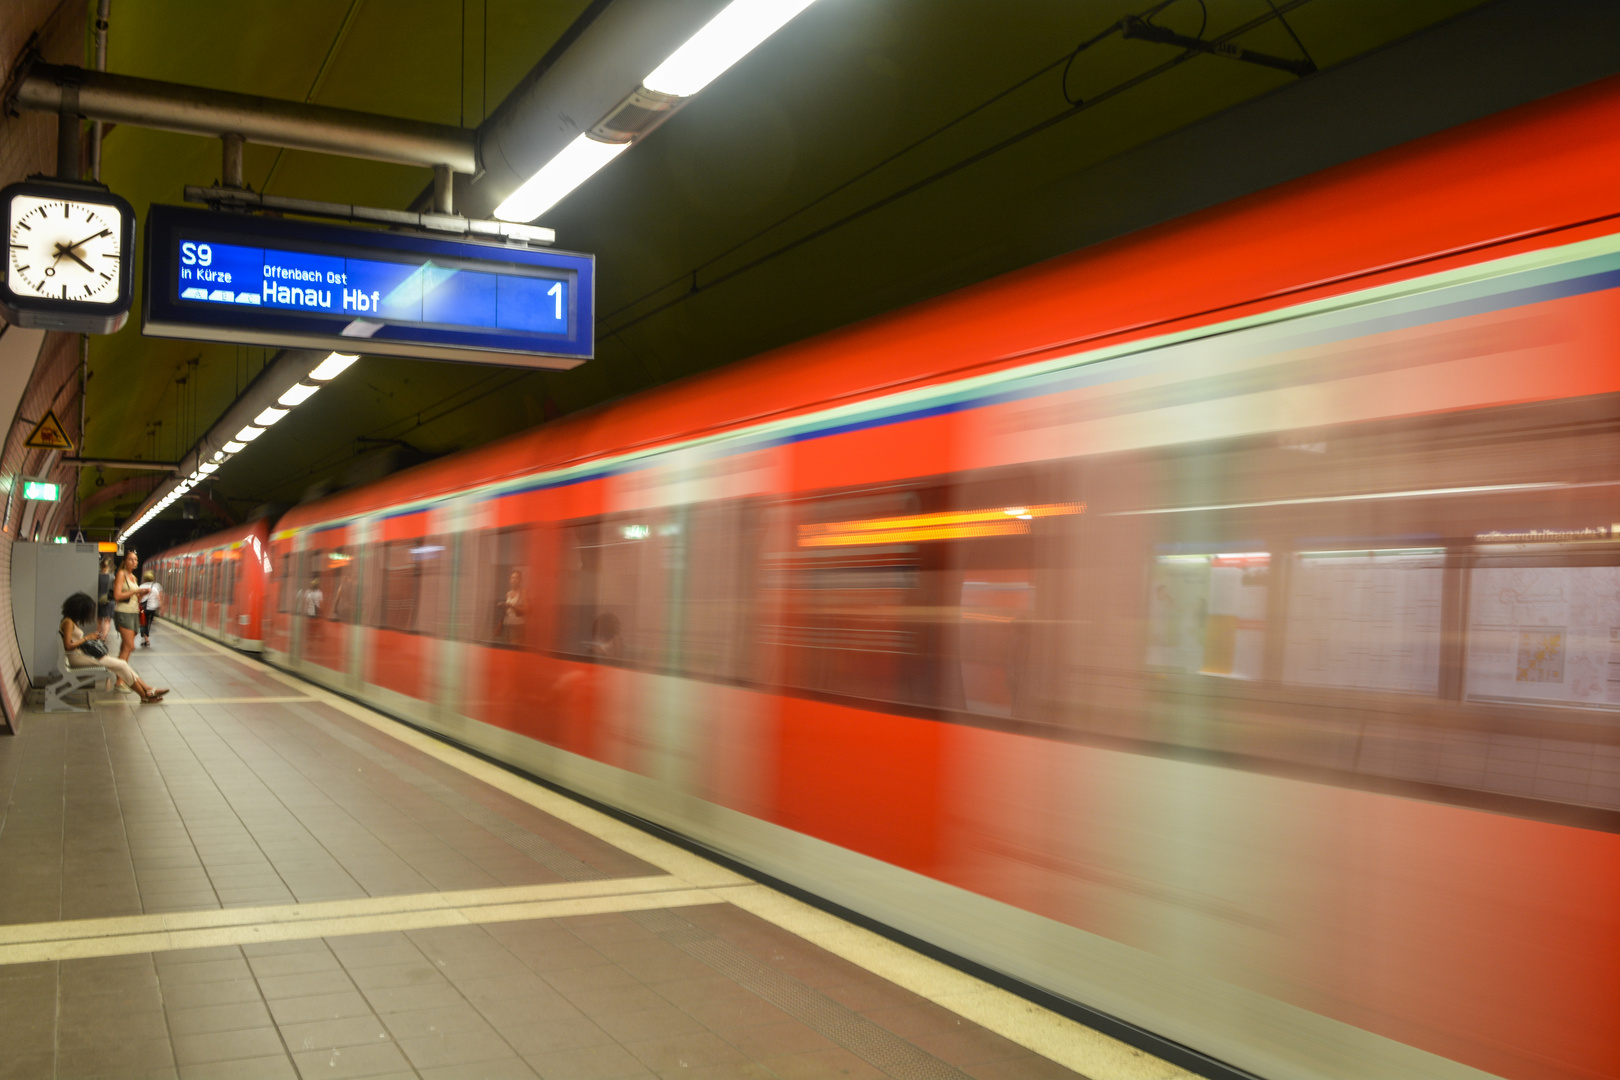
[227, 595]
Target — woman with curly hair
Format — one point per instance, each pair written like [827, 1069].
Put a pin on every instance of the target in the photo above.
[78, 609]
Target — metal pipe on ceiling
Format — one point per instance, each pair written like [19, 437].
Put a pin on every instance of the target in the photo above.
[557, 102]
[195, 110]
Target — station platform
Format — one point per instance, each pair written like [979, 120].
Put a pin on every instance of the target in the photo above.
[262, 879]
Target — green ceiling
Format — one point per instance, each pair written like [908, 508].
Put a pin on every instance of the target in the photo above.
[764, 187]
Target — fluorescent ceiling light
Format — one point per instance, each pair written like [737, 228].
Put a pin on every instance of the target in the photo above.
[235, 447]
[333, 366]
[219, 455]
[574, 164]
[249, 433]
[269, 416]
[210, 468]
[728, 37]
[297, 395]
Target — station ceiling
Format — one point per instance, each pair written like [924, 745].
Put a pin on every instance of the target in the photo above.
[872, 154]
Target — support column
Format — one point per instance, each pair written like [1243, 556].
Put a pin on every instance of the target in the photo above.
[444, 199]
[69, 134]
[230, 167]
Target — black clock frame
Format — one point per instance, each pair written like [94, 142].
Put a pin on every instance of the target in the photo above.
[73, 316]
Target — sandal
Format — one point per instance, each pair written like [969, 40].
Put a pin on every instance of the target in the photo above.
[151, 699]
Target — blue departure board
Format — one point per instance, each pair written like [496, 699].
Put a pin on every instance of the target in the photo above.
[231, 277]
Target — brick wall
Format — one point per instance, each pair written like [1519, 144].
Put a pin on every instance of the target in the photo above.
[28, 146]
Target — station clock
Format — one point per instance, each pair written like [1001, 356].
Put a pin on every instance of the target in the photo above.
[68, 262]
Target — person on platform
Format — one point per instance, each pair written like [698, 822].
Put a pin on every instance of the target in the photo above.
[151, 605]
[78, 609]
[127, 591]
[104, 600]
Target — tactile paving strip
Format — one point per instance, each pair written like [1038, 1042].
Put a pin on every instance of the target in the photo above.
[871, 1042]
[542, 851]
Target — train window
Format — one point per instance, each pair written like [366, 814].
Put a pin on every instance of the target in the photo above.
[843, 623]
[1366, 620]
[328, 585]
[500, 606]
[406, 590]
[1207, 611]
[717, 544]
[1544, 633]
[927, 596]
[286, 589]
[616, 579]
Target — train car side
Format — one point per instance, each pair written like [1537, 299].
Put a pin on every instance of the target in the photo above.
[1240, 673]
[216, 585]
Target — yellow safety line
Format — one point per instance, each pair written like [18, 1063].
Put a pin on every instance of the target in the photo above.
[1067, 1042]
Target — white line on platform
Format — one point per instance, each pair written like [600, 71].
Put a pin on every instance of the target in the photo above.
[342, 918]
[1039, 1030]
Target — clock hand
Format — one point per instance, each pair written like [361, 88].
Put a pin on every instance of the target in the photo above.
[86, 240]
[61, 251]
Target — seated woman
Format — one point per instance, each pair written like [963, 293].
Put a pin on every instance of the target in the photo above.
[79, 608]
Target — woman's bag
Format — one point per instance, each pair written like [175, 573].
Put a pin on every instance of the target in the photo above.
[94, 648]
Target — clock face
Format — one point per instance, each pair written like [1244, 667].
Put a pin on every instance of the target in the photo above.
[65, 250]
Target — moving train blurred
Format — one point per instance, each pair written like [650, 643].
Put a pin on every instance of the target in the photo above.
[1219, 627]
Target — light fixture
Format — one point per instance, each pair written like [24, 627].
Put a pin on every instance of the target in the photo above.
[297, 394]
[269, 416]
[574, 164]
[235, 447]
[210, 468]
[334, 365]
[727, 38]
[249, 433]
[219, 455]
[724, 40]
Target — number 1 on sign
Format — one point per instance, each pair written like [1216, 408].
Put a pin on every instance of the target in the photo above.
[556, 291]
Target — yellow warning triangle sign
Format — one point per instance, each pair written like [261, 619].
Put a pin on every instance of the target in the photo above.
[48, 434]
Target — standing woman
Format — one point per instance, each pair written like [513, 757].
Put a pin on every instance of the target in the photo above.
[126, 593]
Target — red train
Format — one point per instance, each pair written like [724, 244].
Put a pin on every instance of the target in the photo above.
[1219, 627]
[216, 585]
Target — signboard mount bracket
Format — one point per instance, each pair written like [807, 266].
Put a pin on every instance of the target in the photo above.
[239, 199]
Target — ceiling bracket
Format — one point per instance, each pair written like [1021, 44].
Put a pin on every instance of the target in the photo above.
[1135, 26]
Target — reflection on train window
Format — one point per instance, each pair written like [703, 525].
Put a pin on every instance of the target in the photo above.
[616, 581]
[718, 546]
[1545, 634]
[328, 590]
[849, 621]
[996, 613]
[286, 590]
[1367, 620]
[407, 587]
[1207, 612]
[925, 597]
[500, 607]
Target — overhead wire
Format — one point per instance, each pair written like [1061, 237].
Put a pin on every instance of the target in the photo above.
[1276, 12]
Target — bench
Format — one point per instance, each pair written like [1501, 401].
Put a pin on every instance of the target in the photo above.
[70, 680]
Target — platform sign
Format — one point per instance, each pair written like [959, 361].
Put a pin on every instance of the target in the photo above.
[214, 276]
[39, 489]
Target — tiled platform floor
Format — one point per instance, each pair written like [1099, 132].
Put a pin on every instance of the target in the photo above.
[560, 954]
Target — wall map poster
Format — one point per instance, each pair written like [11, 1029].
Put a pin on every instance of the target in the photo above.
[1545, 634]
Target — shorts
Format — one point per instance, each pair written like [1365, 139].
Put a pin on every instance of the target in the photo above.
[126, 620]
